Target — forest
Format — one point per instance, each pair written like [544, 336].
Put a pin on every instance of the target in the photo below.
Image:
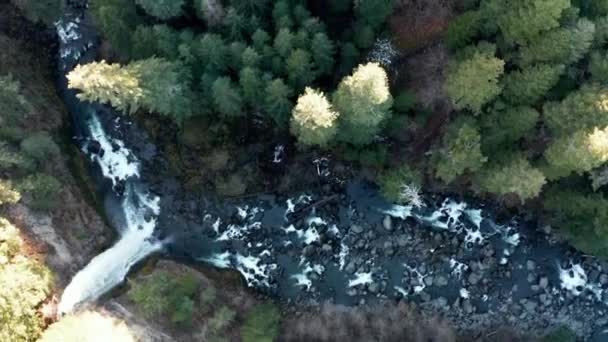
[510, 108]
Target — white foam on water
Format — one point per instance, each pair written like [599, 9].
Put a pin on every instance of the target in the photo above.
[110, 268]
[302, 279]
[401, 290]
[233, 232]
[315, 220]
[474, 215]
[473, 236]
[310, 235]
[334, 230]
[464, 293]
[399, 211]
[457, 267]
[116, 164]
[278, 152]
[575, 281]
[219, 260]
[290, 229]
[361, 279]
[344, 250]
[253, 270]
[242, 212]
[216, 225]
[419, 276]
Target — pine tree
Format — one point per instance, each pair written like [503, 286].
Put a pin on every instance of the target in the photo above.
[560, 46]
[235, 55]
[116, 20]
[162, 9]
[531, 84]
[598, 67]
[250, 57]
[284, 42]
[45, 11]
[40, 147]
[460, 151]
[213, 52]
[108, 83]
[373, 12]
[251, 7]
[277, 102]
[323, 51]
[579, 152]
[583, 109]
[227, 98]
[252, 86]
[349, 57]
[299, 68]
[234, 24]
[364, 36]
[157, 40]
[462, 29]
[516, 175]
[473, 82]
[521, 21]
[504, 125]
[364, 102]
[281, 15]
[260, 39]
[313, 120]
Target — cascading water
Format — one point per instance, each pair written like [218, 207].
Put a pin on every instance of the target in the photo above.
[121, 168]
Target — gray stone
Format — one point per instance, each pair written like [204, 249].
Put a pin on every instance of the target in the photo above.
[373, 288]
[402, 240]
[326, 248]
[387, 223]
[441, 281]
[530, 306]
[530, 265]
[474, 278]
[425, 297]
[441, 302]
[428, 281]
[603, 279]
[350, 267]
[468, 307]
[357, 229]
[543, 283]
[531, 278]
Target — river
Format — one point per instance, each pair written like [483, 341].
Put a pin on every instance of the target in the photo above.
[350, 247]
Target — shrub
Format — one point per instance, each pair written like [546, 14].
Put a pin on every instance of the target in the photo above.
[405, 102]
[516, 175]
[462, 29]
[261, 324]
[8, 194]
[401, 185]
[561, 334]
[41, 191]
[40, 147]
[14, 106]
[221, 320]
[10, 160]
[162, 9]
[46, 11]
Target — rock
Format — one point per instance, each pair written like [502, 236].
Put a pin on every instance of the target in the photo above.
[308, 250]
[374, 288]
[441, 302]
[425, 297]
[543, 283]
[387, 223]
[441, 281]
[603, 279]
[402, 240]
[351, 292]
[326, 248]
[531, 278]
[535, 288]
[530, 265]
[350, 267]
[467, 306]
[428, 281]
[357, 229]
[474, 278]
[530, 306]
[94, 147]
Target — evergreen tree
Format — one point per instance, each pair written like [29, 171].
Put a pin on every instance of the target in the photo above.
[251, 7]
[108, 83]
[313, 120]
[364, 36]
[162, 9]
[460, 151]
[531, 84]
[462, 29]
[260, 39]
[322, 52]
[516, 175]
[227, 98]
[40, 147]
[235, 55]
[373, 12]
[583, 109]
[521, 21]
[284, 42]
[579, 152]
[598, 67]
[349, 57]
[277, 102]
[235, 24]
[213, 52]
[252, 86]
[116, 20]
[364, 102]
[560, 46]
[473, 82]
[41, 191]
[157, 40]
[281, 15]
[46, 11]
[505, 125]
[250, 58]
[299, 68]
